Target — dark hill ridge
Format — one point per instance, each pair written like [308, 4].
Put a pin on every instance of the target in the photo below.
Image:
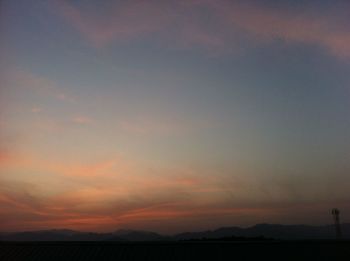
[270, 231]
[291, 232]
[134, 235]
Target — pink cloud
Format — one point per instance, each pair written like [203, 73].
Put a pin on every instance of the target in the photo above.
[83, 120]
[269, 24]
[36, 109]
[130, 20]
[184, 24]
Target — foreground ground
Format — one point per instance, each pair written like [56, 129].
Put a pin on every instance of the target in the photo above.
[276, 250]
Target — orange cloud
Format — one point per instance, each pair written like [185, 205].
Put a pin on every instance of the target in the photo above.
[4, 156]
[116, 192]
[63, 212]
[77, 169]
[97, 209]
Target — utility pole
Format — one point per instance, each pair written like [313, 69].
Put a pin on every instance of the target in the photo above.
[336, 213]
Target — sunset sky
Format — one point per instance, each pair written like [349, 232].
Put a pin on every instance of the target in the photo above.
[173, 115]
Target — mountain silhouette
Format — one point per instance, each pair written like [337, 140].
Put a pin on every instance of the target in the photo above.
[137, 235]
[288, 232]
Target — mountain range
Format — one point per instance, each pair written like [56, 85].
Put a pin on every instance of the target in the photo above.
[271, 231]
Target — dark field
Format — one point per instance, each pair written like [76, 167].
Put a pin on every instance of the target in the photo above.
[195, 250]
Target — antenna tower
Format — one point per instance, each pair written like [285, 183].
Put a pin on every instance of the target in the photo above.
[336, 213]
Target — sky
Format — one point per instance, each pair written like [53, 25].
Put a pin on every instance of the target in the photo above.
[173, 116]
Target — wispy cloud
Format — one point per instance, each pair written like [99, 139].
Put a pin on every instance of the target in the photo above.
[24, 87]
[327, 30]
[91, 208]
[23, 207]
[212, 25]
[21, 79]
[117, 192]
[128, 20]
[152, 126]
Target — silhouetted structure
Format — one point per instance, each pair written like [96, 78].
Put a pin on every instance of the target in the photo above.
[336, 213]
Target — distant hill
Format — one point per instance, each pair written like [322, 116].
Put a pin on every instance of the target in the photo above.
[270, 231]
[135, 235]
[292, 232]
